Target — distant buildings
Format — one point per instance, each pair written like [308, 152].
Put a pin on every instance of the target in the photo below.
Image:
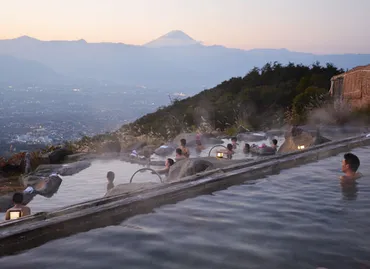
[352, 87]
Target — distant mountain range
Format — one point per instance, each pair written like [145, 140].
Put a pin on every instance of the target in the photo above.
[25, 71]
[174, 61]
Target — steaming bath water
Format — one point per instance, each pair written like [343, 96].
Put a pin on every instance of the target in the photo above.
[238, 152]
[91, 183]
[301, 218]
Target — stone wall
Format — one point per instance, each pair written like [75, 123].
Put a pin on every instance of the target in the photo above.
[353, 87]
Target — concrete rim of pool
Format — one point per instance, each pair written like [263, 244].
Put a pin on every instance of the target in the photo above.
[40, 228]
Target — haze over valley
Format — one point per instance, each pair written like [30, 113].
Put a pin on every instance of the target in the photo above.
[172, 62]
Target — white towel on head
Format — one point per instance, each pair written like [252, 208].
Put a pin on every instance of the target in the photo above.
[29, 189]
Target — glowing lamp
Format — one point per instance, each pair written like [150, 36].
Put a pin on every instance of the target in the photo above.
[220, 154]
[301, 147]
[15, 214]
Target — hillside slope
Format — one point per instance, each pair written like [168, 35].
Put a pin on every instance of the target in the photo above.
[13, 70]
[259, 99]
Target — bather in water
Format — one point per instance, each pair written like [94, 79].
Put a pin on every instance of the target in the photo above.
[229, 151]
[110, 178]
[350, 165]
[247, 148]
[199, 147]
[166, 169]
[179, 155]
[234, 141]
[18, 210]
[184, 149]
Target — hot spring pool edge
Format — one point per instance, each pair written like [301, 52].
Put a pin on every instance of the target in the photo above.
[38, 229]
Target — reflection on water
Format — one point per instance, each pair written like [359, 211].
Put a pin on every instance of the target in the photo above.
[349, 190]
[89, 184]
[297, 219]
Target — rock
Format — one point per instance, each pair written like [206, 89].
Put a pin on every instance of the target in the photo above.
[274, 132]
[30, 180]
[45, 170]
[130, 187]
[44, 159]
[47, 187]
[11, 169]
[242, 130]
[136, 146]
[189, 167]
[192, 166]
[165, 150]
[298, 137]
[251, 137]
[73, 168]
[110, 146]
[58, 156]
[77, 157]
[147, 151]
[215, 133]
[191, 138]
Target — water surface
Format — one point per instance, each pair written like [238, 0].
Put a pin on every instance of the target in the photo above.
[301, 218]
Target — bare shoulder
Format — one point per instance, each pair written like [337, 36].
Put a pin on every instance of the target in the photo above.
[26, 211]
[349, 179]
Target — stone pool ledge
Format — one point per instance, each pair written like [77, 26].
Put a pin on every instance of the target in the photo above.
[37, 229]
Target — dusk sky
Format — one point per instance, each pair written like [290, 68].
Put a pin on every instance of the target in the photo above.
[319, 26]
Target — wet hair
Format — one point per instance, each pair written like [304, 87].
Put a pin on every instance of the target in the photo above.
[247, 146]
[274, 141]
[170, 161]
[352, 160]
[234, 139]
[179, 151]
[229, 146]
[110, 176]
[183, 142]
[18, 198]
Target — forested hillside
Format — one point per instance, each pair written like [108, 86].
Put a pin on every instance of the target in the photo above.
[258, 100]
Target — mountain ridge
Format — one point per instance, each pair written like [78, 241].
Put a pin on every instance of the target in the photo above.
[188, 68]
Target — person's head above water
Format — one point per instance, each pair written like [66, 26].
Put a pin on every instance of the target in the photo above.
[247, 147]
[110, 176]
[169, 162]
[350, 163]
[179, 151]
[18, 198]
[183, 142]
[229, 147]
[234, 140]
[274, 142]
